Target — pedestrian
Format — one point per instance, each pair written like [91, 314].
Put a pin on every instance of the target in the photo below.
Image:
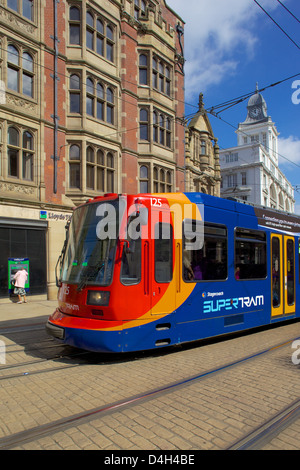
[20, 279]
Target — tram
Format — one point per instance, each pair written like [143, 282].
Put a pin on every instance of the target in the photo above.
[141, 272]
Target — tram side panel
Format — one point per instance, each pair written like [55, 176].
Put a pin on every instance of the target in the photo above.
[234, 292]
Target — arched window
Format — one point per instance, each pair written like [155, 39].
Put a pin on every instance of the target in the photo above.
[162, 129]
[155, 127]
[139, 9]
[109, 33]
[162, 180]
[13, 68]
[13, 136]
[162, 177]
[144, 124]
[281, 201]
[144, 179]
[110, 106]
[74, 166]
[287, 205]
[109, 43]
[168, 181]
[89, 19]
[161, 76]
[100, 101]
[20, 152]
[74, 26]
[90, 31]
[27, 157]
[13, 152]
[90, 97]
[24, 8]
[100, 170]
[100, 36]
[168, 132]
[75, 93]
[143, 69]
[27, 74]
[110, 173]
[90, 168]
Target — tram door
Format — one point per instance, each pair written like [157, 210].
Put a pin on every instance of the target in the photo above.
[283, 274]
[161, 282]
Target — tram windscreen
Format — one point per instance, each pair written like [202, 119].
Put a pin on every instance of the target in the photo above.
[92, 240]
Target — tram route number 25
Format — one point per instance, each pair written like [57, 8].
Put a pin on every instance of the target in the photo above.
[156, 202]
[296, 354]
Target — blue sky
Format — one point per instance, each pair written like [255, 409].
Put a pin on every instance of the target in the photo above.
[230, 45]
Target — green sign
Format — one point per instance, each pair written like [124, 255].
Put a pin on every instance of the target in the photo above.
[14, 264]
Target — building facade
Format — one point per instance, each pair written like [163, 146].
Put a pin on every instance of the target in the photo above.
[250, 170]
[91, 102]
[202, 165]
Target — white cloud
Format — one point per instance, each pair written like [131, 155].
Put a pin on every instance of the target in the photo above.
[290, 149]
[219, 34]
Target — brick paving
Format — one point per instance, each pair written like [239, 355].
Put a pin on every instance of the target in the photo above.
[209, 413]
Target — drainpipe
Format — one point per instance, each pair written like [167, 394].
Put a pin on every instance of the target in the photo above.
[55, 116]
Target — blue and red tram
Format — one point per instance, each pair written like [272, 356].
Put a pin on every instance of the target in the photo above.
[139, 272]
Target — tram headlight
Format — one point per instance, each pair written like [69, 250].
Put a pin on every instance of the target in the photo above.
[98, 297]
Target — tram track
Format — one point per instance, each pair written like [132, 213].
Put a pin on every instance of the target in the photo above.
[56, 357]
[256, 439]
[251, 440]
[36, 346]
[21, 328]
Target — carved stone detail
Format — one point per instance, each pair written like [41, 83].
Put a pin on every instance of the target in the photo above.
[16, 22]
[18, 188]
[20, 102]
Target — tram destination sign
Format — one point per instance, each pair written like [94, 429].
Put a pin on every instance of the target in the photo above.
[276, 220]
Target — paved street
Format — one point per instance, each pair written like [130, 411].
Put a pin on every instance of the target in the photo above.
[206, 397]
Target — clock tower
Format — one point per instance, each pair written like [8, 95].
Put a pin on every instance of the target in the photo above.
[258, 127]
[257, 109]
[250, 170]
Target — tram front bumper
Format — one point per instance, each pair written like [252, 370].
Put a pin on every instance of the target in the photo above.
[55, 331]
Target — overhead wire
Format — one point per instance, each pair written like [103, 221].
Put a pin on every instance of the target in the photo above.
[227, 104]
[230, 103]
[248, 135]
[277, 24]
[212, 110]
[289, 11]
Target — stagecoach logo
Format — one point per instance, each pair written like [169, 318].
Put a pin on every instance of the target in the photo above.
[230, 304]
[212, 294]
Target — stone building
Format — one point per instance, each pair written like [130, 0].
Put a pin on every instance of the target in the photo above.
[202, 155]
[250, 171]
[91, 96]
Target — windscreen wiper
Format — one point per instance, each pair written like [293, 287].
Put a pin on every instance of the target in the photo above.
[90, 273]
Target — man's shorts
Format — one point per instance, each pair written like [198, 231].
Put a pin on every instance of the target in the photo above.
[19, 291]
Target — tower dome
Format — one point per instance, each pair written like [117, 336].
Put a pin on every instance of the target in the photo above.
[257, 100]
[257, 108]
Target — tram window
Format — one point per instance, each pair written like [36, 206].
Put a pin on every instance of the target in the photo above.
[131, 257]
[163, 252]
[250, 254]
[207, 261]
[290, 273]
[276, 272]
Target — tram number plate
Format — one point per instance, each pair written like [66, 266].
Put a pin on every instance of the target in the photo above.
[156, 202]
